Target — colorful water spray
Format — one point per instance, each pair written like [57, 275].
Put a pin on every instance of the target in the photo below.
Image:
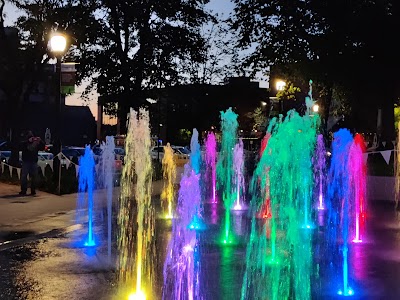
[225, 174]
[86, 185]
[195, 153]
[319, 170]
[169, 174]
[265, 210]
[340, 205]
[279, 264]
[136, 215]
[397, 168]
[358, 172]
[197, 222]
[181, 267]
[238, 163]
[211, 161]
[107, 171]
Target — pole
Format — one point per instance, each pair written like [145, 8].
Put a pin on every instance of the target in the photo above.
[58, 145]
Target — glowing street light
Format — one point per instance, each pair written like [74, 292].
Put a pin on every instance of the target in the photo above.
[58, 43]
[280, 85]
[315, 108]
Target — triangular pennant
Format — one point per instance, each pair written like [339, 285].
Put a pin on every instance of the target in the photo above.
[76, 170]
[365, 157]
[67, 163]
[394, 142]
[386, 155]
[384, 144]
[19, 173]
[43, 167]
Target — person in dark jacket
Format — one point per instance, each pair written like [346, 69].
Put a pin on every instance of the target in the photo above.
[30, 147]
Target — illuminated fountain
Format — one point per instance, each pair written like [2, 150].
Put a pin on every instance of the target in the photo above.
[169, 175]
[279, 264]
[211, 161]
[195, 154]
[182, 264]
[225, 169]
[319, 170]
[107, 170]
[358, 171]
[397, 168]
[136, 214]
[197, 222]
[340, 207]
[265, 209]
[238, 164]
[85, 193]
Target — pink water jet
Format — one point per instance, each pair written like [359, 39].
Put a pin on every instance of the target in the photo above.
[358, 184]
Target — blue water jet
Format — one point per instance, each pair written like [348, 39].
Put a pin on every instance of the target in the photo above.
[85, 189]
[339, 206]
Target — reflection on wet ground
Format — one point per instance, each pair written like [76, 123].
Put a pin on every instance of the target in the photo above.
[58, 268]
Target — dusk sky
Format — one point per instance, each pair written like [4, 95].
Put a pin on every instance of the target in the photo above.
[219, 6]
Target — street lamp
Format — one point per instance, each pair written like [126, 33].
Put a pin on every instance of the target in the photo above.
[280, 85]
[315, 108]
[58, 46]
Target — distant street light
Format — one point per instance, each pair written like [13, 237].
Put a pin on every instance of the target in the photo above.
[263, 103]
[58, 46]
[315, 108]
[280, 85]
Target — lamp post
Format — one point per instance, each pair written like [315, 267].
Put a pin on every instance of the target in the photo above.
[58, 46]
[280, 86]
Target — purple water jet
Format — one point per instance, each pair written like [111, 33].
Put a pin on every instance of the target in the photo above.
[211, 161]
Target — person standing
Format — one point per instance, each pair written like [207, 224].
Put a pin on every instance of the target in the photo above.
[30, 147]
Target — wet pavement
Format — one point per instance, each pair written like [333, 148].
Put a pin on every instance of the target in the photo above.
[56, 267]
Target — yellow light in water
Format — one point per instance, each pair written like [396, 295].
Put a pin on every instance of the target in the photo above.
[137, 296]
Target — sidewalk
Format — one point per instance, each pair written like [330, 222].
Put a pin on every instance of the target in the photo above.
[26, 215]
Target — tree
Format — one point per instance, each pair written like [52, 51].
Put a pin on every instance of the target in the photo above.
[140, 45]
[220, 56]
[258, 118]
[332, 42]
[124, 47]
[288, 93]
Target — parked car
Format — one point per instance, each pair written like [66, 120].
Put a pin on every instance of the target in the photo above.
[73, 152]
[181, 154]
[5, 146]
[45, 159]
[5, 156]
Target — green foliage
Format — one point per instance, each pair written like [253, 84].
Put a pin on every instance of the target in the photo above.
[396, 116]
[258, 117]
[289, 92]
[184, 136]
